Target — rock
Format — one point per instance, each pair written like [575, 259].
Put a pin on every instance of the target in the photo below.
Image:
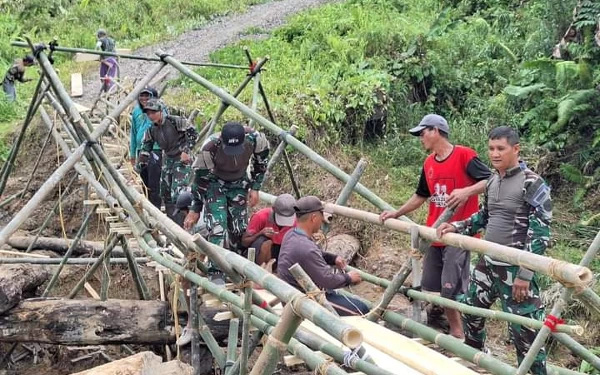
[343, 245]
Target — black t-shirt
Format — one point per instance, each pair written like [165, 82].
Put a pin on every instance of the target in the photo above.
[476, 169]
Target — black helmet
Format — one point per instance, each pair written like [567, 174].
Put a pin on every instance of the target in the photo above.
[151, 91]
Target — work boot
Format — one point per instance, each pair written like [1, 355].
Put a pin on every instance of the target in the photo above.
[436, 318]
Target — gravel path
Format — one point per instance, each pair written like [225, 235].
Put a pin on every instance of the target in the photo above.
[196, 45]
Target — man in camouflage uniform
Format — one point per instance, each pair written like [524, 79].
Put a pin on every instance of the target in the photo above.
[516, 212]
[221, 180]
[176, 137]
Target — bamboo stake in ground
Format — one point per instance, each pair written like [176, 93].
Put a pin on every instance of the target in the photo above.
[195, 334]
[234, 325]
[80, 232]
[113, 239]
[246, 325]
[557, 310]
[277, 341]
[277, 154]
[138, 279]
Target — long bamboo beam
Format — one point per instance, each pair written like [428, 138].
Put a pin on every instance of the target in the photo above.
[298, 145]
[129, 56]
[70, 261]
[566, 273]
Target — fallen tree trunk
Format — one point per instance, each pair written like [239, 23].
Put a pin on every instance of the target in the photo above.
[144, 363]
[94, 322]
[343, 245]
[17, 281]
[87, 322]
[60, 246]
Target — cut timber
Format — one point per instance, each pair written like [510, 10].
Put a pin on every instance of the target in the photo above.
[144, 363]
[380, 358]
[413, 354]
[84, 57]
[87, 322]
[76, 85]
[344, 245]
[17, 281]
[60, 246]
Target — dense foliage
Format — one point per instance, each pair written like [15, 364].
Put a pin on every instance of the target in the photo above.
[480, 63]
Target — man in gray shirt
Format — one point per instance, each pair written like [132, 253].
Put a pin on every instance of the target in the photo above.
[298, 247]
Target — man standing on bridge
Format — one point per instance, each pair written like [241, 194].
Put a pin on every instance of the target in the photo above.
[516, 212]
[221, 181]
[176, 138]
[451, 177]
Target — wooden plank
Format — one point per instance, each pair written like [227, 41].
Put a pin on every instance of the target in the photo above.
[91, 291]
[84, 57]
[92, 202]
[22, 254]
[381, 359]
[223, 315]
[402, 348]
[76, 85]
[81, 108]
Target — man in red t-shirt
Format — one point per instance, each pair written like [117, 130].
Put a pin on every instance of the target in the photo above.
[453, 177]
[267, 227]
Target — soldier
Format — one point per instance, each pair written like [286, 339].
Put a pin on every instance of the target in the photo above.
[16, 73]
[140, 122]
[176, 137]
[108, 64]
[221, 180]
[516, 212]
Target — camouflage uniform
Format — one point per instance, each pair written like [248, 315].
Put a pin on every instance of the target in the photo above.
[221, 181]
[174, 136]
[522, 197]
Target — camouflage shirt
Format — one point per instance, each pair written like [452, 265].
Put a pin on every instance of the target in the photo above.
[516, 212]
[174, 136]
[212, 164]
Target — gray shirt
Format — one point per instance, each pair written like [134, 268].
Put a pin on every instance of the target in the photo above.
[297, 247]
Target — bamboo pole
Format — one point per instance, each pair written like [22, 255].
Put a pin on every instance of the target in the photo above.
[454, 345]
[163, 297]
[37, 161]
[417, 310]
[227, 98]
[564, 272]
[277, 341]
[276, 156]
[71, 261]
[138, 279]
[309, 309]
[113, 239]
[195, 331]
[557, 309]
[255, 94]
[590, 299]
[352, 181]
[51, 213]
[208, 338]
[65, 258]
[232, 339]
[224, 105]
[130, 56]
[246, 325]
[33, 105]
[578, 349]
[12, 197]
[310, 287]
[77, 154]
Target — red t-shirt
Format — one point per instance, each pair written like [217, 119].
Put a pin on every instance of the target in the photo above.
[444, 176]
[265, 219]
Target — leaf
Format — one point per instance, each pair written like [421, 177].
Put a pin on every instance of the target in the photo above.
[572, 174]
[524, 91]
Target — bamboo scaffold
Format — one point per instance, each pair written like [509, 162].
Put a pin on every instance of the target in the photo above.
[142, 217]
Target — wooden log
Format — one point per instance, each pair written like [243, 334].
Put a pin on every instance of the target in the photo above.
[60, 246]
[87, 322]
[144, 363]
[343, 245]
[17, 281]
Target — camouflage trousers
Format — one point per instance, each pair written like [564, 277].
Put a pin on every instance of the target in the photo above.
[225, 209]
[174, 178]
[490, 282]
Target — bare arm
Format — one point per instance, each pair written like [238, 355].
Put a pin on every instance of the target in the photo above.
[411, 204]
